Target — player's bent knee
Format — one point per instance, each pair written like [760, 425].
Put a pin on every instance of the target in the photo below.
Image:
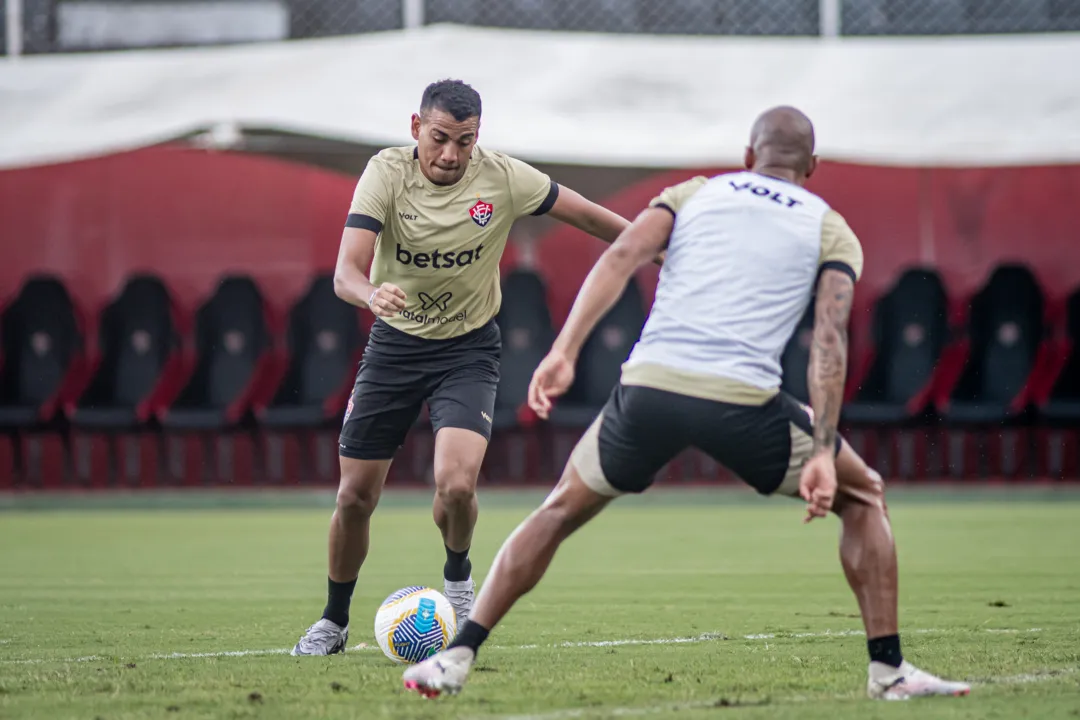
[877, 484]
[356, 501]
[876, 481]
[857, 482]
[458, 456]
[360, 487]
[561, 519]
[572, 503]
[455, 480]
[456, 489]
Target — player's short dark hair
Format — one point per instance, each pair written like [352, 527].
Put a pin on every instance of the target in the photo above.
[452, 96]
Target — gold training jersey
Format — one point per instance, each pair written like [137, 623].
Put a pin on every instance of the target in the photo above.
[442, 244]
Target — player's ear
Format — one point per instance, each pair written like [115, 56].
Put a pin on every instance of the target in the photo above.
[812, 166]
[748, 158]
[415, 126]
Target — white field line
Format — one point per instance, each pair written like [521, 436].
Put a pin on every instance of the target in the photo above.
[570, 713]
[704, 637]
[1026, 678]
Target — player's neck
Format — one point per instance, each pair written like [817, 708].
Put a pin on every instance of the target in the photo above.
[780, 173]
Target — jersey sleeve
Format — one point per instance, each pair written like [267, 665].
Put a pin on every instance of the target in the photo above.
[532, 192]
[840, 249]
[674, 197]
[371, 199]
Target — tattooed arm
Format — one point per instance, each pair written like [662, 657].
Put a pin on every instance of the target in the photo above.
[828, 355]
[841, 262]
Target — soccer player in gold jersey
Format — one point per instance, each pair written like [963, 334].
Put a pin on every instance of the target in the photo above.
[431, 222]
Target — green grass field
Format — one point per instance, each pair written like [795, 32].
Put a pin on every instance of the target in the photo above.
[94, 605]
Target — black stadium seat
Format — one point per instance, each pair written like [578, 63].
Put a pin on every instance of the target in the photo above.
[324, 346]
[232, 344]
[140, 358]
[42, 346]
[1005, 333]
[527, 334]
[600, 364]
[1062, 402]
[910, 331]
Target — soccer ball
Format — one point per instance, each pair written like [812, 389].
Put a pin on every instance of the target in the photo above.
[414, 623]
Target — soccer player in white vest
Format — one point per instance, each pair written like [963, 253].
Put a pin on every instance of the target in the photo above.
[745, 252]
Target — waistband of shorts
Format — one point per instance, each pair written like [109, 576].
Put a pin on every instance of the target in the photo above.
[392, 336]
[693, 384]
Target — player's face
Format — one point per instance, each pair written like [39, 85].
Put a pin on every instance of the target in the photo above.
[444, 145]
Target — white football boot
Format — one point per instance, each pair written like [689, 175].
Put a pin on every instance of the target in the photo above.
[322, 638]
[907, 681]
[445, 672]
[461, 595]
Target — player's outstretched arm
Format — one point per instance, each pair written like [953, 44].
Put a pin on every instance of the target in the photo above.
[826, 376]
[351, 282]
[574, 209]
[636, 246]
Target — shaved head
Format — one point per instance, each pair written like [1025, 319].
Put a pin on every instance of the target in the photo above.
[782, 139]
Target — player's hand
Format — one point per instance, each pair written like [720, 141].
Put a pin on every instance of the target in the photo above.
[817, 485]
[387, 300]
[552, 378]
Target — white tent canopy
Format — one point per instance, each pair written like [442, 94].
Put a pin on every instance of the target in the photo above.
[609, 100]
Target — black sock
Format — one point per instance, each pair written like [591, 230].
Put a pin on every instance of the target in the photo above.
[471, 636]
[885, 650]
[458, 567]
[338, 598]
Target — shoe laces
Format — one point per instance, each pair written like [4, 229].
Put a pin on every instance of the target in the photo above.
[321, 633]
[458, 594]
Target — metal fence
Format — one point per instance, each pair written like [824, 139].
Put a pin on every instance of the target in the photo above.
[63, 25]
[696, 17]
[949, 17]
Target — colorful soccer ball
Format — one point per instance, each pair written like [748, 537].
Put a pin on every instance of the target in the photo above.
[414, 623]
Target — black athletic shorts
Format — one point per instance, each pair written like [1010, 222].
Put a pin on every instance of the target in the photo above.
[399, 372]
[641, 429]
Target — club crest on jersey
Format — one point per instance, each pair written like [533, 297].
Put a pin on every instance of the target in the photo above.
[348, 411]
[481, 213]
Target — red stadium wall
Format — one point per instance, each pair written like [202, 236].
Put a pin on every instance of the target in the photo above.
[187, 216]
[192, 216]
